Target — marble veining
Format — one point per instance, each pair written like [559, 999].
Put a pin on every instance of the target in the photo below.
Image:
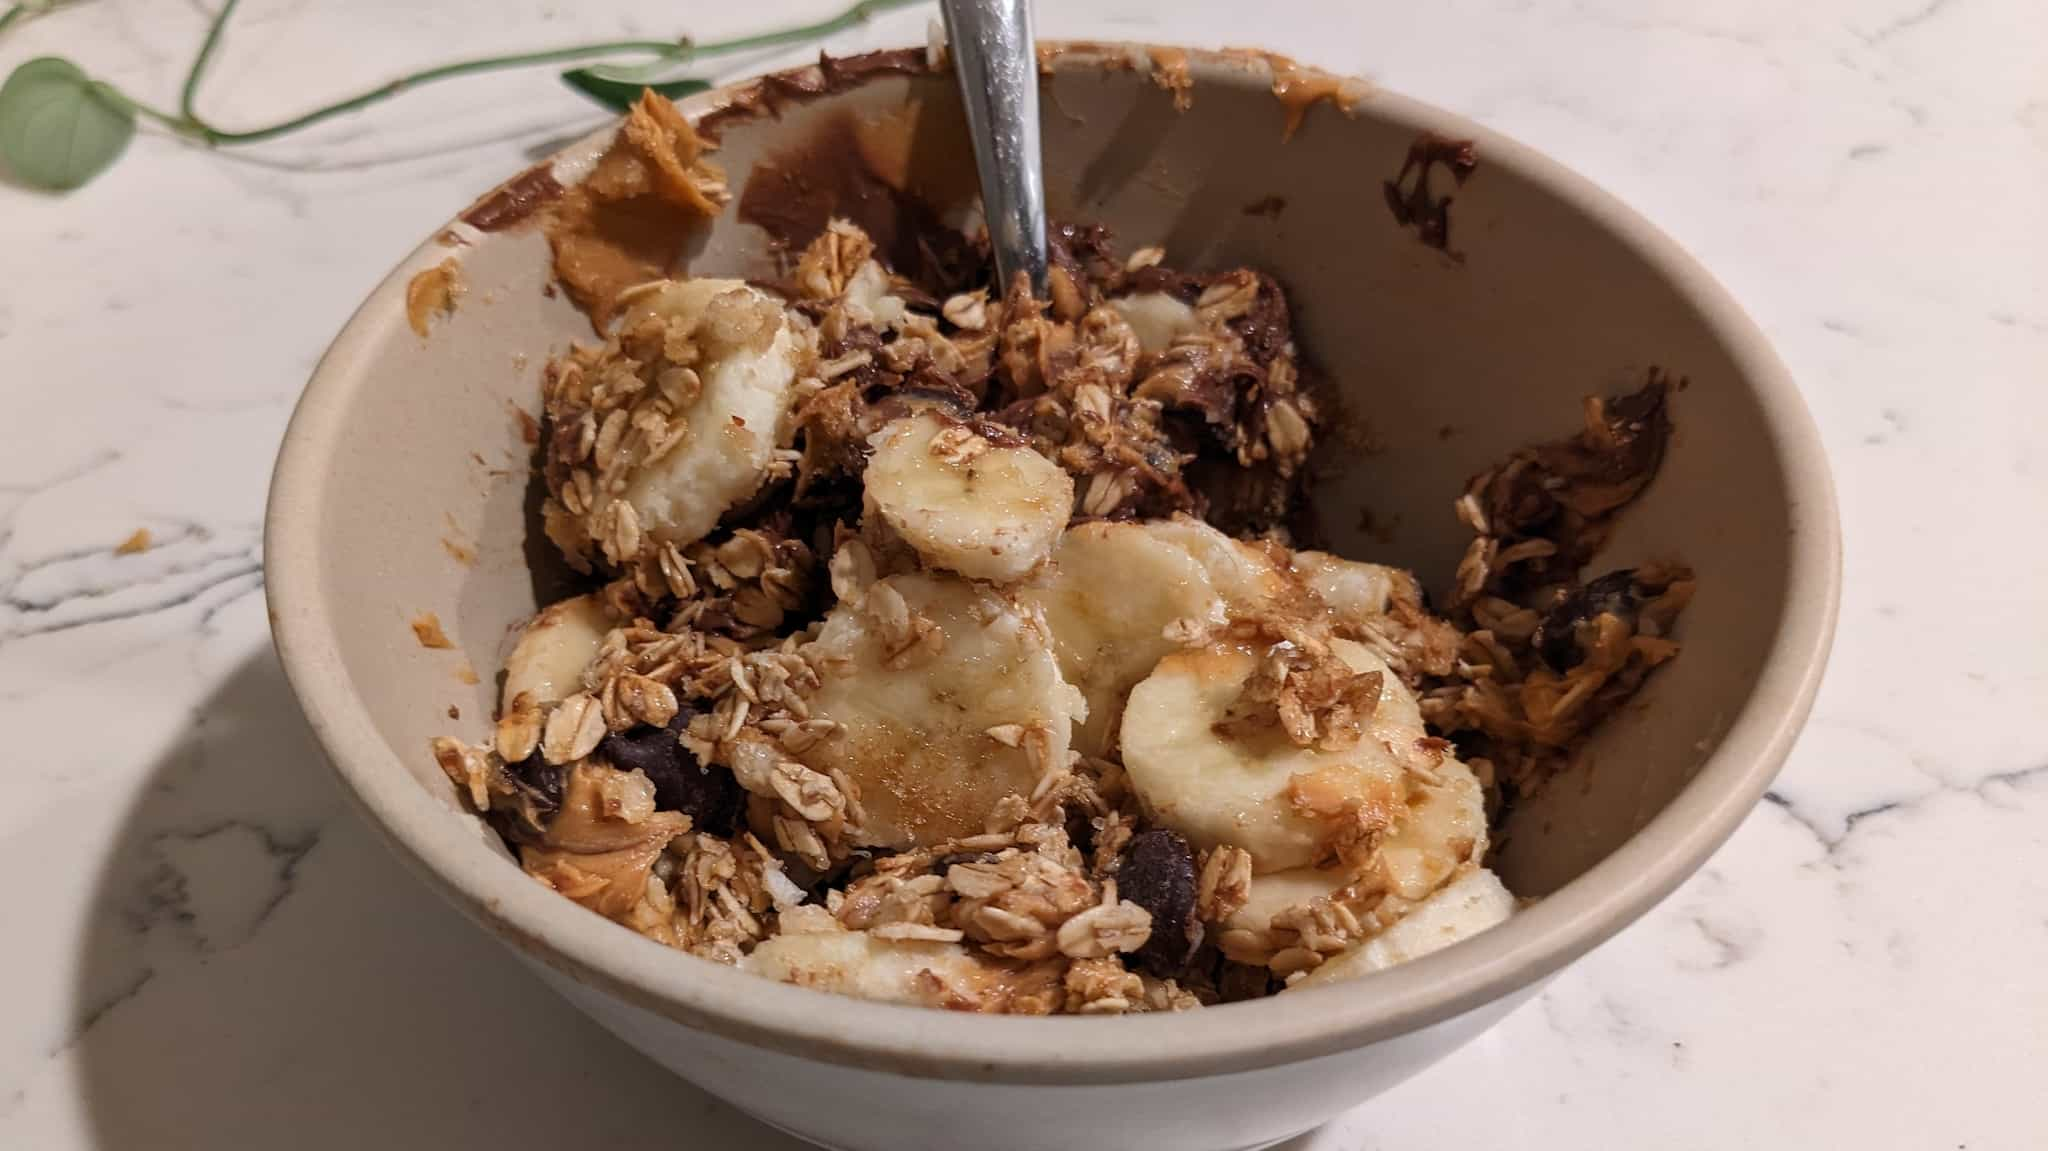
[205, 948]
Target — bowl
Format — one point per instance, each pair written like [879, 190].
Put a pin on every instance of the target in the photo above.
[1458, 321]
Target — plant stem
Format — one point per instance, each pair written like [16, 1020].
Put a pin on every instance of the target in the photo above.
[192, 124]
[190, 94]
[28, 11]
[170, 121]
[444, 72]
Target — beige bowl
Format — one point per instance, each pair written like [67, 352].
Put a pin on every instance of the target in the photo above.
[406, 451]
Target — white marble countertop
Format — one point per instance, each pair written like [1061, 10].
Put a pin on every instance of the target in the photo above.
[206, 948]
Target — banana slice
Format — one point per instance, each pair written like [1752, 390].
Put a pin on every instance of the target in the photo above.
[749, 353]
[1351, 591]
[1283, 890]
[1249, 576]
[1244, 788]
[986, 511]
[552, 652]
[1465, 907]
[920, 972]
[948, 698]
[1443, 831]
[1157, 318]
[1115, 588]
[1432, 848]
[856, 963]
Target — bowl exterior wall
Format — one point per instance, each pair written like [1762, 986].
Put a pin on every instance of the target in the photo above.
[854, 1109]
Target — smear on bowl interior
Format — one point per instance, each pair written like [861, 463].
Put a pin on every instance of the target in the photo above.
[948, 646]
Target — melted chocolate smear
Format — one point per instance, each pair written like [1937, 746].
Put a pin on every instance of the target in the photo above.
[1158, 874]
[1269, 207]
[1247, 501]
[1637, 427]
[515, 201]
[773, 93]
[1084, 250]
[710, 796]
[1414, 205]
[1569, 491]
[1302, 526]
[1505, 800]
[1183, 286]
[792, 194]
[1267, 328]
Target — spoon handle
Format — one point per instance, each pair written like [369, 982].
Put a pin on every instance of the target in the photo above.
[996, 59]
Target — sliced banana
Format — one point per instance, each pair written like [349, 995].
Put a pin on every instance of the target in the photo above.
[553, 650]
[1443, 831]
[1470, 904]
[1157, 318]
[1235, 788]
[948, 699]
[749, 352]
[1280, 891]
[1115, 589]
[919, 972]
[986, 511]
[1249, 576]
[1352, 592]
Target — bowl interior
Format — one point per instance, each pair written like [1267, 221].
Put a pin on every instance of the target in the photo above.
[1444, 361]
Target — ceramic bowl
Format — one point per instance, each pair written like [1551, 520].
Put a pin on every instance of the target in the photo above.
[406, 458]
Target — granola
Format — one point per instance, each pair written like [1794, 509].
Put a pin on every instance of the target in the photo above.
[945, 645]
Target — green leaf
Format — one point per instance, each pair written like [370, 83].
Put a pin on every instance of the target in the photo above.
[59, 127]
[607, 87]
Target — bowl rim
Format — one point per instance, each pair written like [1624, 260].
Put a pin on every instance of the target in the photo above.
[920, 1042]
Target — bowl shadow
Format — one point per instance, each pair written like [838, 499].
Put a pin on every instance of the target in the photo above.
[258, 970]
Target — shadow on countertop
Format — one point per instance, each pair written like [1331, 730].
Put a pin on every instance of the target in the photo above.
[259, 971]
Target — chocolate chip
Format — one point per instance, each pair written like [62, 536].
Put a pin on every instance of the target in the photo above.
[710, 796]
[523, 816]
[1556, 637]
[1237, 982]
[1470, 743]
[1158, 874]
[543, 779]
[1080, 829]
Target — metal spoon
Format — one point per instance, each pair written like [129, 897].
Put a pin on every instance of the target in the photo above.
[996, 59]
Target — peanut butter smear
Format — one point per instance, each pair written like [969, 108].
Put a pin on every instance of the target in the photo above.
[1298, 88]
[626, 223]
[432, 293]
[1170, 73]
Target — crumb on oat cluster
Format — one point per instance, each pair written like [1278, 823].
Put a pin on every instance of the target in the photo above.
[952, 649]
